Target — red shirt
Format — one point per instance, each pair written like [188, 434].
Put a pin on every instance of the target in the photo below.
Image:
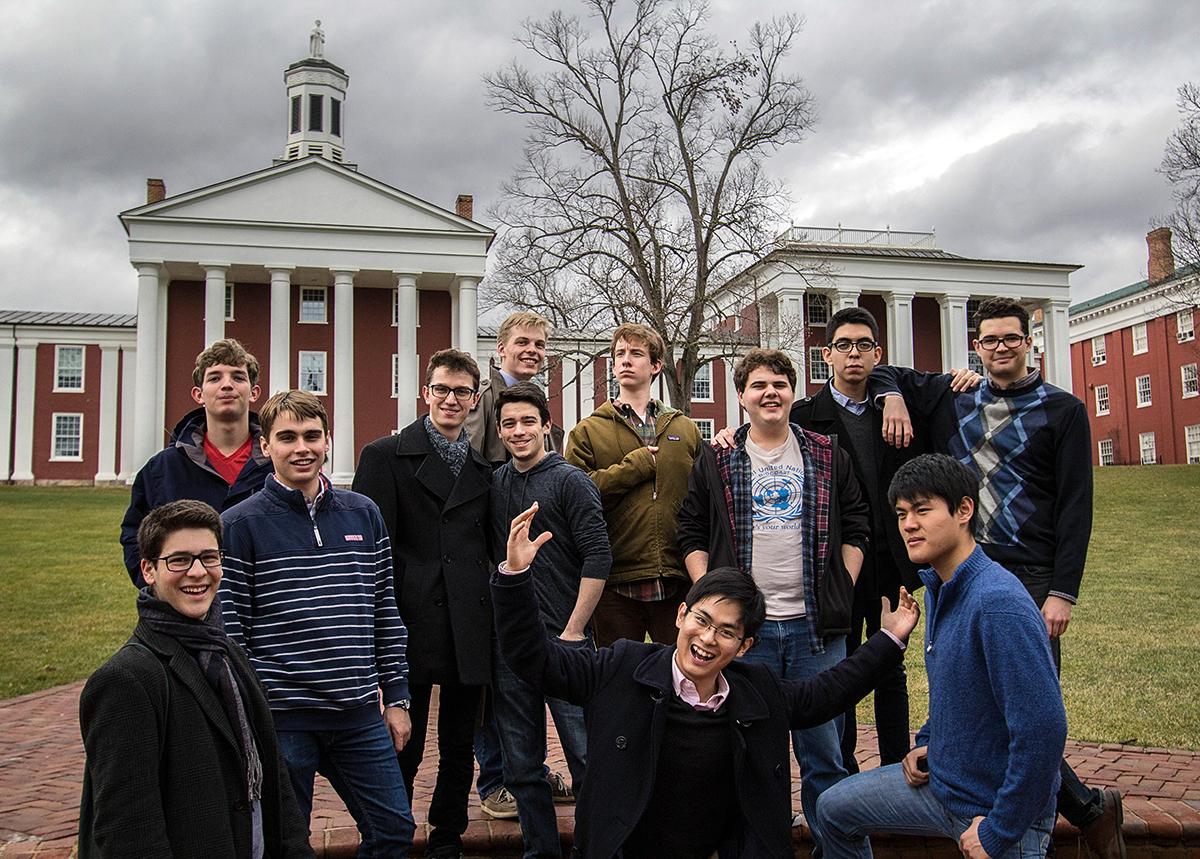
[229, 467]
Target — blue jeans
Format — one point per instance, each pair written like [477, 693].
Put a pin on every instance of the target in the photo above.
[361, 765]
[491, 764]
[521, 722]
[881, 800]
[783, 646]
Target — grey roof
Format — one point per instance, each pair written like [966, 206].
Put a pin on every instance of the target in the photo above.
[51, 317]
[863, 251]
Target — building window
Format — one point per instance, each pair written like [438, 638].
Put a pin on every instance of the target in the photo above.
[395, 375]
[614, 389]
[229, 302]
[1191, 386]
[1143, 391]
[1185, 326]
[316, 104]
[295, 114]
[312, 304]
[335, 117]
[702, 383]
[818, 309]
[1101, 400]
[1106, 451]
[818, 370]
[972, 307]
[1149, 455]
[1140, 342]
[68, 368]
[705, 425]
[312, 372]
[68, 438]
[1099, 351]
[975, 363]
[1192, 434]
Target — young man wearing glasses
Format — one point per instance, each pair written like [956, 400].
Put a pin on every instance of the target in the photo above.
[687, 748]
[432, 488]
[1030, 446]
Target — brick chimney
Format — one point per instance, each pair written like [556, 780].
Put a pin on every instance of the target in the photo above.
[1162, 258]
[156, 190]
[464, 206]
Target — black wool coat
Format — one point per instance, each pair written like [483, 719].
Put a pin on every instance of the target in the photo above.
[625, 691]
[164, 775]
[441, 551]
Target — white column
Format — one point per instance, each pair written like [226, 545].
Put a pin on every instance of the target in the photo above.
[214, 302]
[146, 424]
[8, 346]
[342, 468]
[1056, 335]
[900, 327]
[162, 428]
[570, 393]
[106, 464]
[468, 320]
[281, 329]
[26, 385]
[844, 297]
[408, 372]
[128, 421]
[954, 330]
[733, 411]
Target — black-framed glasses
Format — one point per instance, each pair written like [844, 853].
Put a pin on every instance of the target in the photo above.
[847, 345]
[1010, 341]
[442, 391]
[727, 636]
[181, 562]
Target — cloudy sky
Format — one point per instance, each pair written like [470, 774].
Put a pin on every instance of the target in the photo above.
[1018, 130]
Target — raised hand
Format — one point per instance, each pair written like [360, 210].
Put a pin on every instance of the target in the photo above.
[522, 550]
[901, 621]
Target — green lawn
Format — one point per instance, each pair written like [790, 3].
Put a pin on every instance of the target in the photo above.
[1131, 658]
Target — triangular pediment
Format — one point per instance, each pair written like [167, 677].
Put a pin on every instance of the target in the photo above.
[312, 192]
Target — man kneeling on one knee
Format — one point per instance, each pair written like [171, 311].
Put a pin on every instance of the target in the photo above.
[986, 766]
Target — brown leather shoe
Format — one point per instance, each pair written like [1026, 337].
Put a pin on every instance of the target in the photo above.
[1104, 838]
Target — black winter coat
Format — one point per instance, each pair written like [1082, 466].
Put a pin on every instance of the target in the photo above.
[164, 775]
[441, 552]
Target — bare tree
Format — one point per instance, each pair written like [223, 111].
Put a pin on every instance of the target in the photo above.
[1181, 166]
[642, 187]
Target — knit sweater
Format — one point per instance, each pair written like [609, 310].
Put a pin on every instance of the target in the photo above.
[1031, 447]
[569, 508]
[996, 726]
[311, 601]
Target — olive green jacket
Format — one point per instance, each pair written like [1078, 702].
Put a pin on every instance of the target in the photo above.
[641, 493]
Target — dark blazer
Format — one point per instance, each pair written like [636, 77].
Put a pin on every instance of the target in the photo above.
[625, 691]
[441, 552]
[164, 774]
[883, 571]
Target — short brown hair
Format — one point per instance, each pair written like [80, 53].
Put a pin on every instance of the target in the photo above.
[770, 359]
[1002, 307]
[165, 520]
[454, 361]
[228, 352]
[299, 404]
[523, 319]
[635, 332]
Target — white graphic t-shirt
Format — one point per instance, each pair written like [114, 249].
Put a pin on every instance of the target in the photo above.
[776, 562]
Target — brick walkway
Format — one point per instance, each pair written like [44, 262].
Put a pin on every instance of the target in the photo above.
[41, 766]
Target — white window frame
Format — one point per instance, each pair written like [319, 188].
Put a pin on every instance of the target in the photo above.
[706, 427]
[1149, 450]
[819, 372]
[975, 363]
[1099, 351]
[58, 368]
[1141, 341]
[1145, 395]
[972, 308]
[1192, 437]
[56, 435]
[816, 309]
[229, 302]
[324, 304]
[611, 387]
[396, 308]
[1101, 400]
[395, 375]
[324, 373]
[1106, 452]
[1189, 381]
[703, 381]
[1185, 326]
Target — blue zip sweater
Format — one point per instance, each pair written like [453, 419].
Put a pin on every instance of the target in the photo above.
[996, 726]
[311, 600]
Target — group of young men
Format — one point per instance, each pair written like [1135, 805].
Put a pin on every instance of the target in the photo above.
[785, 534]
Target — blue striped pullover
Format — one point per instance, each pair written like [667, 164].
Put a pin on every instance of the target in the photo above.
[311, 600]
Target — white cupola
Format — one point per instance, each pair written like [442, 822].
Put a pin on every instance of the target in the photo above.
[316, 91]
